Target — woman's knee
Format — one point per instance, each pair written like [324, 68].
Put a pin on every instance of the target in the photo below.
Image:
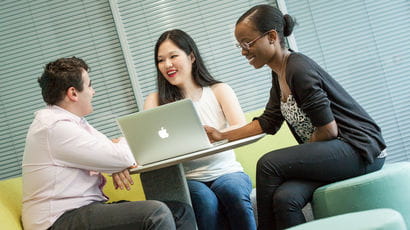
[198, 189]
[283, 201]
[288, 200]
[202, 196]
[267, 164]
[208, 203]
[232, 186]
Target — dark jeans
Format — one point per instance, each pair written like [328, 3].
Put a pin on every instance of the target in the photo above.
[286, 178]
[136, 215]
[223, 202]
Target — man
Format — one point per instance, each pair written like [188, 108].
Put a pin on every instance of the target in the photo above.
[64, 157]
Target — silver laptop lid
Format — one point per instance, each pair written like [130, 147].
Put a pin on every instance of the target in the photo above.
[164, 132]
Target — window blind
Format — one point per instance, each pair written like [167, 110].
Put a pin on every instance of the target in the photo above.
[365, 45]
[210, 24]
[34, 33]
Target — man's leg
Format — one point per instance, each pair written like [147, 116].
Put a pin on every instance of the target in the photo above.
[126, 215]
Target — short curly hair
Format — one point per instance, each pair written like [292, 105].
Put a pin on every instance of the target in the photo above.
[60, 75]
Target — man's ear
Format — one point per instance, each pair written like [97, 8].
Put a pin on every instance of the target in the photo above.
[72, 94]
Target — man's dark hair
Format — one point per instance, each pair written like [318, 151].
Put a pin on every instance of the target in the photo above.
[60, 75]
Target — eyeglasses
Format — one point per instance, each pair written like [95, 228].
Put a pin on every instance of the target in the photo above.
[247, 45]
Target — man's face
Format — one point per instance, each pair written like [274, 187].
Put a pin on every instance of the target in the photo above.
[85, 96]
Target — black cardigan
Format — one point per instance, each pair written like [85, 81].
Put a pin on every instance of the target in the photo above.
[323, 100]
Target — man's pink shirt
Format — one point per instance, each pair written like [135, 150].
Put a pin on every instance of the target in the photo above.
[62, 164]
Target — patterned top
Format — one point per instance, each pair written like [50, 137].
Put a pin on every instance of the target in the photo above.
[297, 119]
[301, 123]
[323, 100]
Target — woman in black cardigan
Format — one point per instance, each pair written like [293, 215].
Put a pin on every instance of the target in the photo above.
[337, 138]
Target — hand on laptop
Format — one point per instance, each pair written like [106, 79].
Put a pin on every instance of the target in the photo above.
[213, 134]
[122, 179]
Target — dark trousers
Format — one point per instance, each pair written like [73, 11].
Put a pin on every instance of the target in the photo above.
[286, 178]
[136, 215]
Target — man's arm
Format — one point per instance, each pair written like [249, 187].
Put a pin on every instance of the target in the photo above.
[73, 146]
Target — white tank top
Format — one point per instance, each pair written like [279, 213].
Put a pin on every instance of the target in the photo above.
[211, 167]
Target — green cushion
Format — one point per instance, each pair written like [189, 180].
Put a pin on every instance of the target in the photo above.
[11, 199]
[386, 219]
[249, 155]
[386, 188]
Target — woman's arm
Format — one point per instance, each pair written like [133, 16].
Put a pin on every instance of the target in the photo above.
[230, 105]
[251, 129]
[325, 132]
[307, 85]
[151, 101]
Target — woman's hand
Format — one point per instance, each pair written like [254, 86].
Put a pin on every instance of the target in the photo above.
[122, 179]
[213, 134]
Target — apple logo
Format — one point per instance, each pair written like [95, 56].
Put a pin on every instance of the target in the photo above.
[163, 133]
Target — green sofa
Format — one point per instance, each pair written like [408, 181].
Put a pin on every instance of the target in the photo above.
[11, 194]
[381, 219]
[10, 203]
[385, 188]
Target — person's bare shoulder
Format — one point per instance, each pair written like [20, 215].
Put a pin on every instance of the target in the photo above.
[151, 101]
[221, 88]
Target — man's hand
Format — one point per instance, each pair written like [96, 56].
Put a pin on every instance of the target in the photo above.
[116, 140]
[122, 179]
[213, 134]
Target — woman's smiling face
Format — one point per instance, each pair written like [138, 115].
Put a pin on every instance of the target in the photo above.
[174, 64]
[260, 50]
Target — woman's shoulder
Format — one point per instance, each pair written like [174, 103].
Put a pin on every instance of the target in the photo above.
[222, 91]
[300, 64]
[153, 95]
[151, 101]
[299, 60]
[221, 86]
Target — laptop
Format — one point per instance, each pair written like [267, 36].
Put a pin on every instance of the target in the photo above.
[164, 132]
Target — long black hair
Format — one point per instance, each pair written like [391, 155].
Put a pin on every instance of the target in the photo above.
[201, 76]
[266, 17]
